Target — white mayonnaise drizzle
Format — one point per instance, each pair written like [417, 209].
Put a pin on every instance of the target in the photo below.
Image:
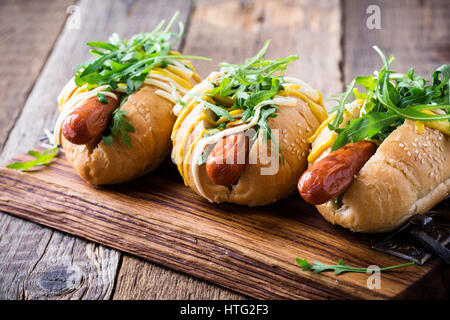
[206, 86]
[205, 141]
[69, 99]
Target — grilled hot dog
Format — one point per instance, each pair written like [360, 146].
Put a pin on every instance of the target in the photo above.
[86, 123]
[226, 161]
[332, 175]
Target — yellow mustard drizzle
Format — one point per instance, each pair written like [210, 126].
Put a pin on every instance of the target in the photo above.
[441, 125]
[75, 91]
[188, 155]
[184, 112]
[183, 142]
[165, 73]
[215, 123]
[419, 126]
[319, 149]
[317, 108]
[66, 98]
[195, 76]
[321, 127]
[224, 100]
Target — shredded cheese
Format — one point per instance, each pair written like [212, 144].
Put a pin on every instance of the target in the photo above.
[292, 88]
[352, 111]
[177, 75]
[441, 125]
[321, 147]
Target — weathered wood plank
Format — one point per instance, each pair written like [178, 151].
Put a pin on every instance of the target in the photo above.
[248, 249]
[414, 31]
[293, 27]
[28, 31]
[138, 279]
[234, 30]
[25, 271]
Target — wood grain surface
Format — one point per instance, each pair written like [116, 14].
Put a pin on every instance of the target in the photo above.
[28, 31]
[250, 250]
[414, 31]
[333, 44]
[209, 34]
[19, 258]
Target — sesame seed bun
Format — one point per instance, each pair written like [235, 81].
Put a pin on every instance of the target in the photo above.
[294, 123]
[408, 175]
[152, 118]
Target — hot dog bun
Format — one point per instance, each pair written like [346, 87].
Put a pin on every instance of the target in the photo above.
[295, 123]
[408, 174]
[152, 117]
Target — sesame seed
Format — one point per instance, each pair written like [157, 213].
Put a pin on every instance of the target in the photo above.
[401, 145]
[304, 140]
[409, 154]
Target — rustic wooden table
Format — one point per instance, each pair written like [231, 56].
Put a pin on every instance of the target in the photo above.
[42, 40]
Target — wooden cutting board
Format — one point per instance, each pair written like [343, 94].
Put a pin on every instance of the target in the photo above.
[250, 250]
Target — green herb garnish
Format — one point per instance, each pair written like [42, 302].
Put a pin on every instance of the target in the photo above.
[249, 85]
[102, 98]
[119, 124]
[41, 159]
[340, 267]
[128, 62]
[390, 98]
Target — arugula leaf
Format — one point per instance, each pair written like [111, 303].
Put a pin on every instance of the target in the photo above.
[365, 127]
[367, 81]
[340, 267]
[341, 107]
[102, 98]
[258, 97]
[390, 98]
[119, 124]
[250, 84]
[41, 159]
[129, 62]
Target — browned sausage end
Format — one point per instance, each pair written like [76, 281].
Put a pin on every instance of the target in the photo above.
[87, 122]
[332, 175]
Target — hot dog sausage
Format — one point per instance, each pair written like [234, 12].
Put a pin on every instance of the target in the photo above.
[332, 175]
[86, 123]
[226, 161]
